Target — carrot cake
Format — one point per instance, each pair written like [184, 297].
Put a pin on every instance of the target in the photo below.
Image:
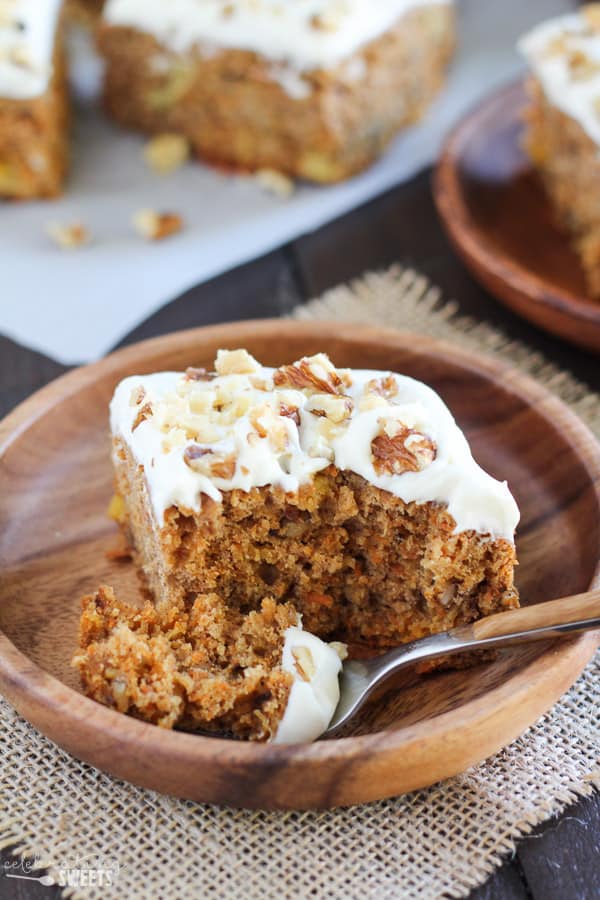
[34, 106]
[314, 89]
[272, 512]
[563, 125]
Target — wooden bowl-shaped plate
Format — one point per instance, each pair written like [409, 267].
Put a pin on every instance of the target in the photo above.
[55, 483]
[501, 222]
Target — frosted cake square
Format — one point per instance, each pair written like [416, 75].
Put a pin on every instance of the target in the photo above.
[563, 126]
[276, 513]
[34, 105]
[313, 89]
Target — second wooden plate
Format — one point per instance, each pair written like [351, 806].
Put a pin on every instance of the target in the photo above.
[501, 223]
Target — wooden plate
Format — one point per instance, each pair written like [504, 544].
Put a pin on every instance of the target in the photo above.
[500, 221]
[55, 482]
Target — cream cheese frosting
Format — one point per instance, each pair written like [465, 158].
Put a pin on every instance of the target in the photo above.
[315, 692]
[564, 56]
[305, 34]
[27, 36]
[247, 426]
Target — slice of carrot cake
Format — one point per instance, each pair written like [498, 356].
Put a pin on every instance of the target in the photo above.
[273, 510]
[34, 105]
[563, 125]
[314, 89]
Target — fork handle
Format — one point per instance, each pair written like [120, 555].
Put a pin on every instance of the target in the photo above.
[567, 614]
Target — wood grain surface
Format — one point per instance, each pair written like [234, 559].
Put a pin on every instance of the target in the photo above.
[55, 471]
[562, 856]
[501, 222]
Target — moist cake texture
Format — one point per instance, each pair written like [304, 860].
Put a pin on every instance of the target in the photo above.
[313, 89]
[34, 109]
[563, 126]
[275, 513]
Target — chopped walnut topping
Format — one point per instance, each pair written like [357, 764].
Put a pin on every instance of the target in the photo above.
[137, 395]
[154, 226]
[267, 424]
[275, 182]
[340, 648]
[210, 463]
[290, 412]
[581, 66]
[259, 383]
[144, 413]
[304, 663]
[68, 237]
[194, 374]
[235, 362]
[166, 152]
[335, 408]
[591, 13]
[399, 449]
[386, 386]
[325, 21]
[313, 373]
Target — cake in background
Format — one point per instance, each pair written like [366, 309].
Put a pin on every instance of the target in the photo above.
[563, 126]
[272, 511]
[34, 103]
[315, 89]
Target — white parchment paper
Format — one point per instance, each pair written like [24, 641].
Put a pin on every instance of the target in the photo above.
[75, 305]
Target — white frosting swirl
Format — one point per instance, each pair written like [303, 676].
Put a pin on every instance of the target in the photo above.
[27, 35]
[564, 56]
[315, 691]
[288, 455]
[306, 34]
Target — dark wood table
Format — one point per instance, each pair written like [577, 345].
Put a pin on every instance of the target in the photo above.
[561, 859]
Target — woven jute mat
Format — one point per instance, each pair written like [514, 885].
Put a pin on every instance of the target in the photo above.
[83, 824]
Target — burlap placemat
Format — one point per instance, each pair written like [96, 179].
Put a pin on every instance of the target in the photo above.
[85, 825]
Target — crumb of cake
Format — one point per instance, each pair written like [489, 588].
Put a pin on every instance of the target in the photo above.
[155, 226]
[120, 550]
[68, 237]
[275, 182]
[166, 152]
[117, 509]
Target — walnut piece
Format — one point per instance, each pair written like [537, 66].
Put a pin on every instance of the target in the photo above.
[144, 413]
[591, 14]
[335, 408]
[386, 386]
[68, 237]
[304, 663]
[312, 373]
[290, 412]
[166, 152]
[275, 182]
[137, 395]
[210, 463]
[155, 226]
[198, 374]
[581, 66]
[235, 362]
[405, 450]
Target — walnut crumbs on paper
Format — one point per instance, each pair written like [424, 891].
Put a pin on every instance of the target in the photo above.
[273, 512]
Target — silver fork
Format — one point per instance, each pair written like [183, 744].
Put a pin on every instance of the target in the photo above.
[553, 619]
